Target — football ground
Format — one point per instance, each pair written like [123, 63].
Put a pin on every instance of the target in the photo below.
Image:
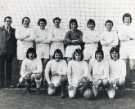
[17, 99]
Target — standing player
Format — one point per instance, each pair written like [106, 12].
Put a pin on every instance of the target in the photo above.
[108, 38]
[57, 35]
[24, 39]
[42, 39]
[56, 74]
[90, 39]
[73, 39]
[100, 71]
[79, 76]
[117, 71]
[126, 34]
[31, 70]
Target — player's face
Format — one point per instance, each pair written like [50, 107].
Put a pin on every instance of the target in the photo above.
[114, 55]
[8, 22]
[57, 56]
[127, 20]
[57, 23]
[108, 26]
[91, 26]
[31, 56]
[42, 24]
[26, 22]
[77, 57]
[73, 26]
[99, 57]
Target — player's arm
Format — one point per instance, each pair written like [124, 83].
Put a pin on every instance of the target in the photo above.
[47, 72]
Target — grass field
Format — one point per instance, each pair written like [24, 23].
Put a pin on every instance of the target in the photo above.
[17, 99]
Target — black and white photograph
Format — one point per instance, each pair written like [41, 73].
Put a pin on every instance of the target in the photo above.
[67, 54]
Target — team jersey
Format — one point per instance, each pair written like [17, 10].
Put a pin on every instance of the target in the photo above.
[31, 66]
[117, 68]
[76, 71]
[109, 38]
[24, 41]
[99, 70]
[56, 68]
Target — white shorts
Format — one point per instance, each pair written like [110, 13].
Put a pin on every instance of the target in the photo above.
[106, 51]
[127, 49]
[22, 50]
[57, 45]
[97, 80]
[120, 80]
[70, 50]
[89, 51]
[42, 50]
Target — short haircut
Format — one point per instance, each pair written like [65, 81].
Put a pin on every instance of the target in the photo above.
[59, 52]
[91, 21]
[56, 18]
[42, 20]
[115, 49]
[78, 51]
[31, 50]
[127, 15]
[109, 21]
[7, 17]
[73, 21]
[25, 18]
[99, 50]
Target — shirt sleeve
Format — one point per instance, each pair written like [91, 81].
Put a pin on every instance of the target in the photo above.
[106, 70]
[47, 71]
[69, 73]
[123, 69]
[115, 41]
[23, 71]
[87, 72]
[19, 34]
[67, 39]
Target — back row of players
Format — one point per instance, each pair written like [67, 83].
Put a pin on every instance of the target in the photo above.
[47, 41]
[57, 43]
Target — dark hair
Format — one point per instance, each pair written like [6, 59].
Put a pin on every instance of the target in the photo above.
[59, 52]
[78, 51]
[7, 17]
[73, 21]
[56, 18]
[91, 21]
[109, 21]
[31, 50]
[127, 15]
[115, 49]
[41, 20]
[25, 18]
[99, 50]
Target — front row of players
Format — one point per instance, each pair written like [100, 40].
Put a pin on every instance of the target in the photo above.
[78, 77]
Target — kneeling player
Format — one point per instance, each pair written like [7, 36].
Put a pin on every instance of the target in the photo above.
[117, 72]
[79, 76]
[100, 71]
[55, 73]
[31, 70]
